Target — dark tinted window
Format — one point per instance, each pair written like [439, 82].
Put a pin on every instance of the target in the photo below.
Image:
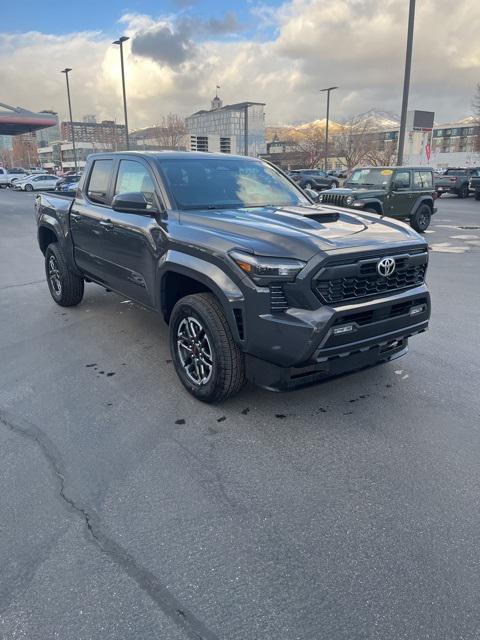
[456, 172]
[218, 183]
[99, 180]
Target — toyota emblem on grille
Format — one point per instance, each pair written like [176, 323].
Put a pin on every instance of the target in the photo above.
[386, 266]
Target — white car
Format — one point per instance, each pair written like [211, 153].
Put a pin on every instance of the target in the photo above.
[42, 182]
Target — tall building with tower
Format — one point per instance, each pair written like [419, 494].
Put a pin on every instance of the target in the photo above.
[233, 128]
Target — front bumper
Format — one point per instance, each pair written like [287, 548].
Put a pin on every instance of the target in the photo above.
[301, 346]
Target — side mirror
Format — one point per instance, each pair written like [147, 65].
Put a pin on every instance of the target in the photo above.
[314, 195]
[134, 202]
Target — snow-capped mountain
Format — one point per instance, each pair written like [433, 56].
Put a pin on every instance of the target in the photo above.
[379, 120]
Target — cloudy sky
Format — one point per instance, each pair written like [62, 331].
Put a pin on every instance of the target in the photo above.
[278, 52]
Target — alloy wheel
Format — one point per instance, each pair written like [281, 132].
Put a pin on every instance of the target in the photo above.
[54, 276]
[194, 350]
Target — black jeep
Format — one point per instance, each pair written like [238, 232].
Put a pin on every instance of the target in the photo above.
[404, 193]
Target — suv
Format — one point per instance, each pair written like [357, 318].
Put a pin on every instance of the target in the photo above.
[8, 176]
[404, 193]
[314, 179]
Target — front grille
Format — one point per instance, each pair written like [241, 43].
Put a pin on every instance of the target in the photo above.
[385, 312]
[339, 283]
[278, 300]
[334, 198]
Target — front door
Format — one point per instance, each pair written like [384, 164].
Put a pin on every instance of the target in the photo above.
[132, 242]
[401, 195]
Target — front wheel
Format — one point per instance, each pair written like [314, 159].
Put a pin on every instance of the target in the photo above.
[464, 192]
[65, 286]
[421, 218]
[28, 187]
[207, 360]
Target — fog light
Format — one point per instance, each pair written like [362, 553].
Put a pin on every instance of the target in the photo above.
[344, 328]
[420, 308]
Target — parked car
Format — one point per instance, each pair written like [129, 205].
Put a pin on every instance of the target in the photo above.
[68, 184]
[338, 174]
[474, 185]
[455, 181]
[314, 179]
[254, 280]
[404, 193]
[7, 176]
[43, 182]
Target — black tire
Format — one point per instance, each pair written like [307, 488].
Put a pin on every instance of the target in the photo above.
[66, 288]
[464, 192]
[224, 371]
[28, 187]
[421, 218]
[477, 195]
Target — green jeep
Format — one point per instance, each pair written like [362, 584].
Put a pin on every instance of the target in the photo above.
[405, 193]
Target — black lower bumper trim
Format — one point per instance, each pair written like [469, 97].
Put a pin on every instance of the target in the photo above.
[275, 378]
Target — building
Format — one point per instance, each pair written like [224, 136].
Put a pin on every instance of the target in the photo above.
[46, 136]
[106, 132]
[456, 144]
[59, 155]
[234, 128]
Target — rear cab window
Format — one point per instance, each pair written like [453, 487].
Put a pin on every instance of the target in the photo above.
[99, 181]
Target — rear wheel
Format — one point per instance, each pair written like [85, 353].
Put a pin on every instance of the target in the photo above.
[421, 218]
[207, 360]
[477, 195]
[65, 286]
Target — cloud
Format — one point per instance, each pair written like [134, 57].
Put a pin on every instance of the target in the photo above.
[165, 44]
[173, 63]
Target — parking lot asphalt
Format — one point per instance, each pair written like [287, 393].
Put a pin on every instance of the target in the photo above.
[348, 510]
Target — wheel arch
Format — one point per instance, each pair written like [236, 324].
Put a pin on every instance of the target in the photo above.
[428, 200]
[376, 205]
[46, 235]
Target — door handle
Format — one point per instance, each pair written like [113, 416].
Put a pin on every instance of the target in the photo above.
[75, 217]
[106, 224]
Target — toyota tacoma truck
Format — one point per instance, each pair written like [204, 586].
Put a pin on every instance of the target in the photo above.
[455, 181]
[404, 193]
[254, 280]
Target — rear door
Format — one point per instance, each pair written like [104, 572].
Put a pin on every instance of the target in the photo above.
[88, 216]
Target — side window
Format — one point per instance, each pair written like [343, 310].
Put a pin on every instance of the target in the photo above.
[99, 181]
[422, 180]
[402, 179]
[134, 177]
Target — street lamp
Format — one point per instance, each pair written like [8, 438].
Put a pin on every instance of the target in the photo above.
[328, 89]
[120, 42]
[66, 72]
[406, 83]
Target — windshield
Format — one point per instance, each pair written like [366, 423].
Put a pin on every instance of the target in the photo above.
[217, 183]
[379, 178]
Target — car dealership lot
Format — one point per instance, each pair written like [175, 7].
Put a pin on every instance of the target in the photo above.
[346, 510]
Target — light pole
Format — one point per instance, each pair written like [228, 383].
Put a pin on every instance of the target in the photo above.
[66, 72]
[406, 83]
[120, 42]
[328, 89]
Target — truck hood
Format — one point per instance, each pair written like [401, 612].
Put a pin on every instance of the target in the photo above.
[297, 232]
[359, 193]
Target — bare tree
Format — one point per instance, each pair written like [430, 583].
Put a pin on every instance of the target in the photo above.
[310, 139]
[170, 131]
[354, 142]
[382, 153]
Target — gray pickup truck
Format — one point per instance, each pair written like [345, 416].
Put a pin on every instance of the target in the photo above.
[255, 280]
[455, 181]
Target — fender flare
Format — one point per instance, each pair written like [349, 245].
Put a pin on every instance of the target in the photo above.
[419, 201]
[367, 203]
[49, 222]
[208, 274]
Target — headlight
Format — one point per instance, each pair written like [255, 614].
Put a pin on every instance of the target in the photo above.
[263, 270]
[350, 200]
